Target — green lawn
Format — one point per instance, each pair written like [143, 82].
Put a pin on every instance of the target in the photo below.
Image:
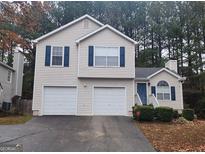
[12, 120]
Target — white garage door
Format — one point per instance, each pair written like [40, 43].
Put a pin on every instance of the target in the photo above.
[109, 101]
[59, 101]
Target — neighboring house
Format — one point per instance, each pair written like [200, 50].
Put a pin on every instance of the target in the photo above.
[84, 68]
[11, 78]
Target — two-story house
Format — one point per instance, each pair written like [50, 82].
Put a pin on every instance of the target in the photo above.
[84, 68]
[11, 78]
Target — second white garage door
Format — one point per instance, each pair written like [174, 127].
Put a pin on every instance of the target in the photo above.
[109, 101]
[59, 101]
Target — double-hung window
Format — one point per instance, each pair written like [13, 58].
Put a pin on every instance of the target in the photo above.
[106, 56]
[163, 90]
[57, 56]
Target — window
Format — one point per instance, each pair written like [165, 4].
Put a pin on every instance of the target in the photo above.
[163, 91]
[106, 56]
[9, 76]
[57, 56]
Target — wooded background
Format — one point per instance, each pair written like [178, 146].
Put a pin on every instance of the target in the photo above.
[163, 30]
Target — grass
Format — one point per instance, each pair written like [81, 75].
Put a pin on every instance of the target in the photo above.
[12, 120]
[169, 137]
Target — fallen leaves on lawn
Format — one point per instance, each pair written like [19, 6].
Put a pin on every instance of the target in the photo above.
[175, 137]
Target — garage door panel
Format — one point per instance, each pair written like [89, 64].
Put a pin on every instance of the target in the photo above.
[109, 101]
[59, 100]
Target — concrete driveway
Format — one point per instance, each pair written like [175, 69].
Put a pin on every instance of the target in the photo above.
[73, 133]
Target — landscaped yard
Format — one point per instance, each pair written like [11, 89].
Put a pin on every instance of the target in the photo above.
[11, 120]
[175, 137]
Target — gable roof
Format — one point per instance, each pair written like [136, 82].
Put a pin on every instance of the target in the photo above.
[67, 25]
[147, 73]
[168, 71]
[6, 66]
[102, 28]
[144, 72]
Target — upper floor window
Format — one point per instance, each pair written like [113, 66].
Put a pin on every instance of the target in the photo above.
[163, 90]
[9, 76]
[106, 56]
[57, 56]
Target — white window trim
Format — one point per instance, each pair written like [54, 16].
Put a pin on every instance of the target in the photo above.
[10, 77]
[106, 58]
[51, 58]
[163, 93]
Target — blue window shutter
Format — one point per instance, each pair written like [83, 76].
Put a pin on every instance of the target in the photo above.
[48, 56]
[173, 93]
[90, 56]
[153, 90]
[66, 56]
[122, 56]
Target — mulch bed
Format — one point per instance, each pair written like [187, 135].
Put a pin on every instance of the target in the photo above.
[169, 137]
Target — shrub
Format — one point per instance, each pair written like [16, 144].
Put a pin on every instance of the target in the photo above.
[202, 113]
[188, 114]
[28, 80]
[133, 112]
[175, 114]
[199, 106]
[134, 109]
[192, 97]
[151, 105]
[164, 114]
[146, 113]
[4, 113]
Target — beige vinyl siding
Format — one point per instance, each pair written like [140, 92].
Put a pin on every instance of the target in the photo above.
[54, 75]
[107, 38]
[86, 87]
[172, 81]
[68, 76]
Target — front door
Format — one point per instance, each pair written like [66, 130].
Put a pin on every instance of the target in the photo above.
[142, 91]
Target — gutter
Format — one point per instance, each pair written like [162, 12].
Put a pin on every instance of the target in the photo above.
[6, 66]
[142, 79]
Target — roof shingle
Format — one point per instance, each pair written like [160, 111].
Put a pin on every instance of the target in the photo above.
[144, 72]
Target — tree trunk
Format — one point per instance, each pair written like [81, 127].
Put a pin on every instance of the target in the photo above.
[177, 56]
[203, 49]
[189, 55]
[144, 42]
[10, 55]
[152, 45]
[181, 55]
[169, 48]
[160, 47]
